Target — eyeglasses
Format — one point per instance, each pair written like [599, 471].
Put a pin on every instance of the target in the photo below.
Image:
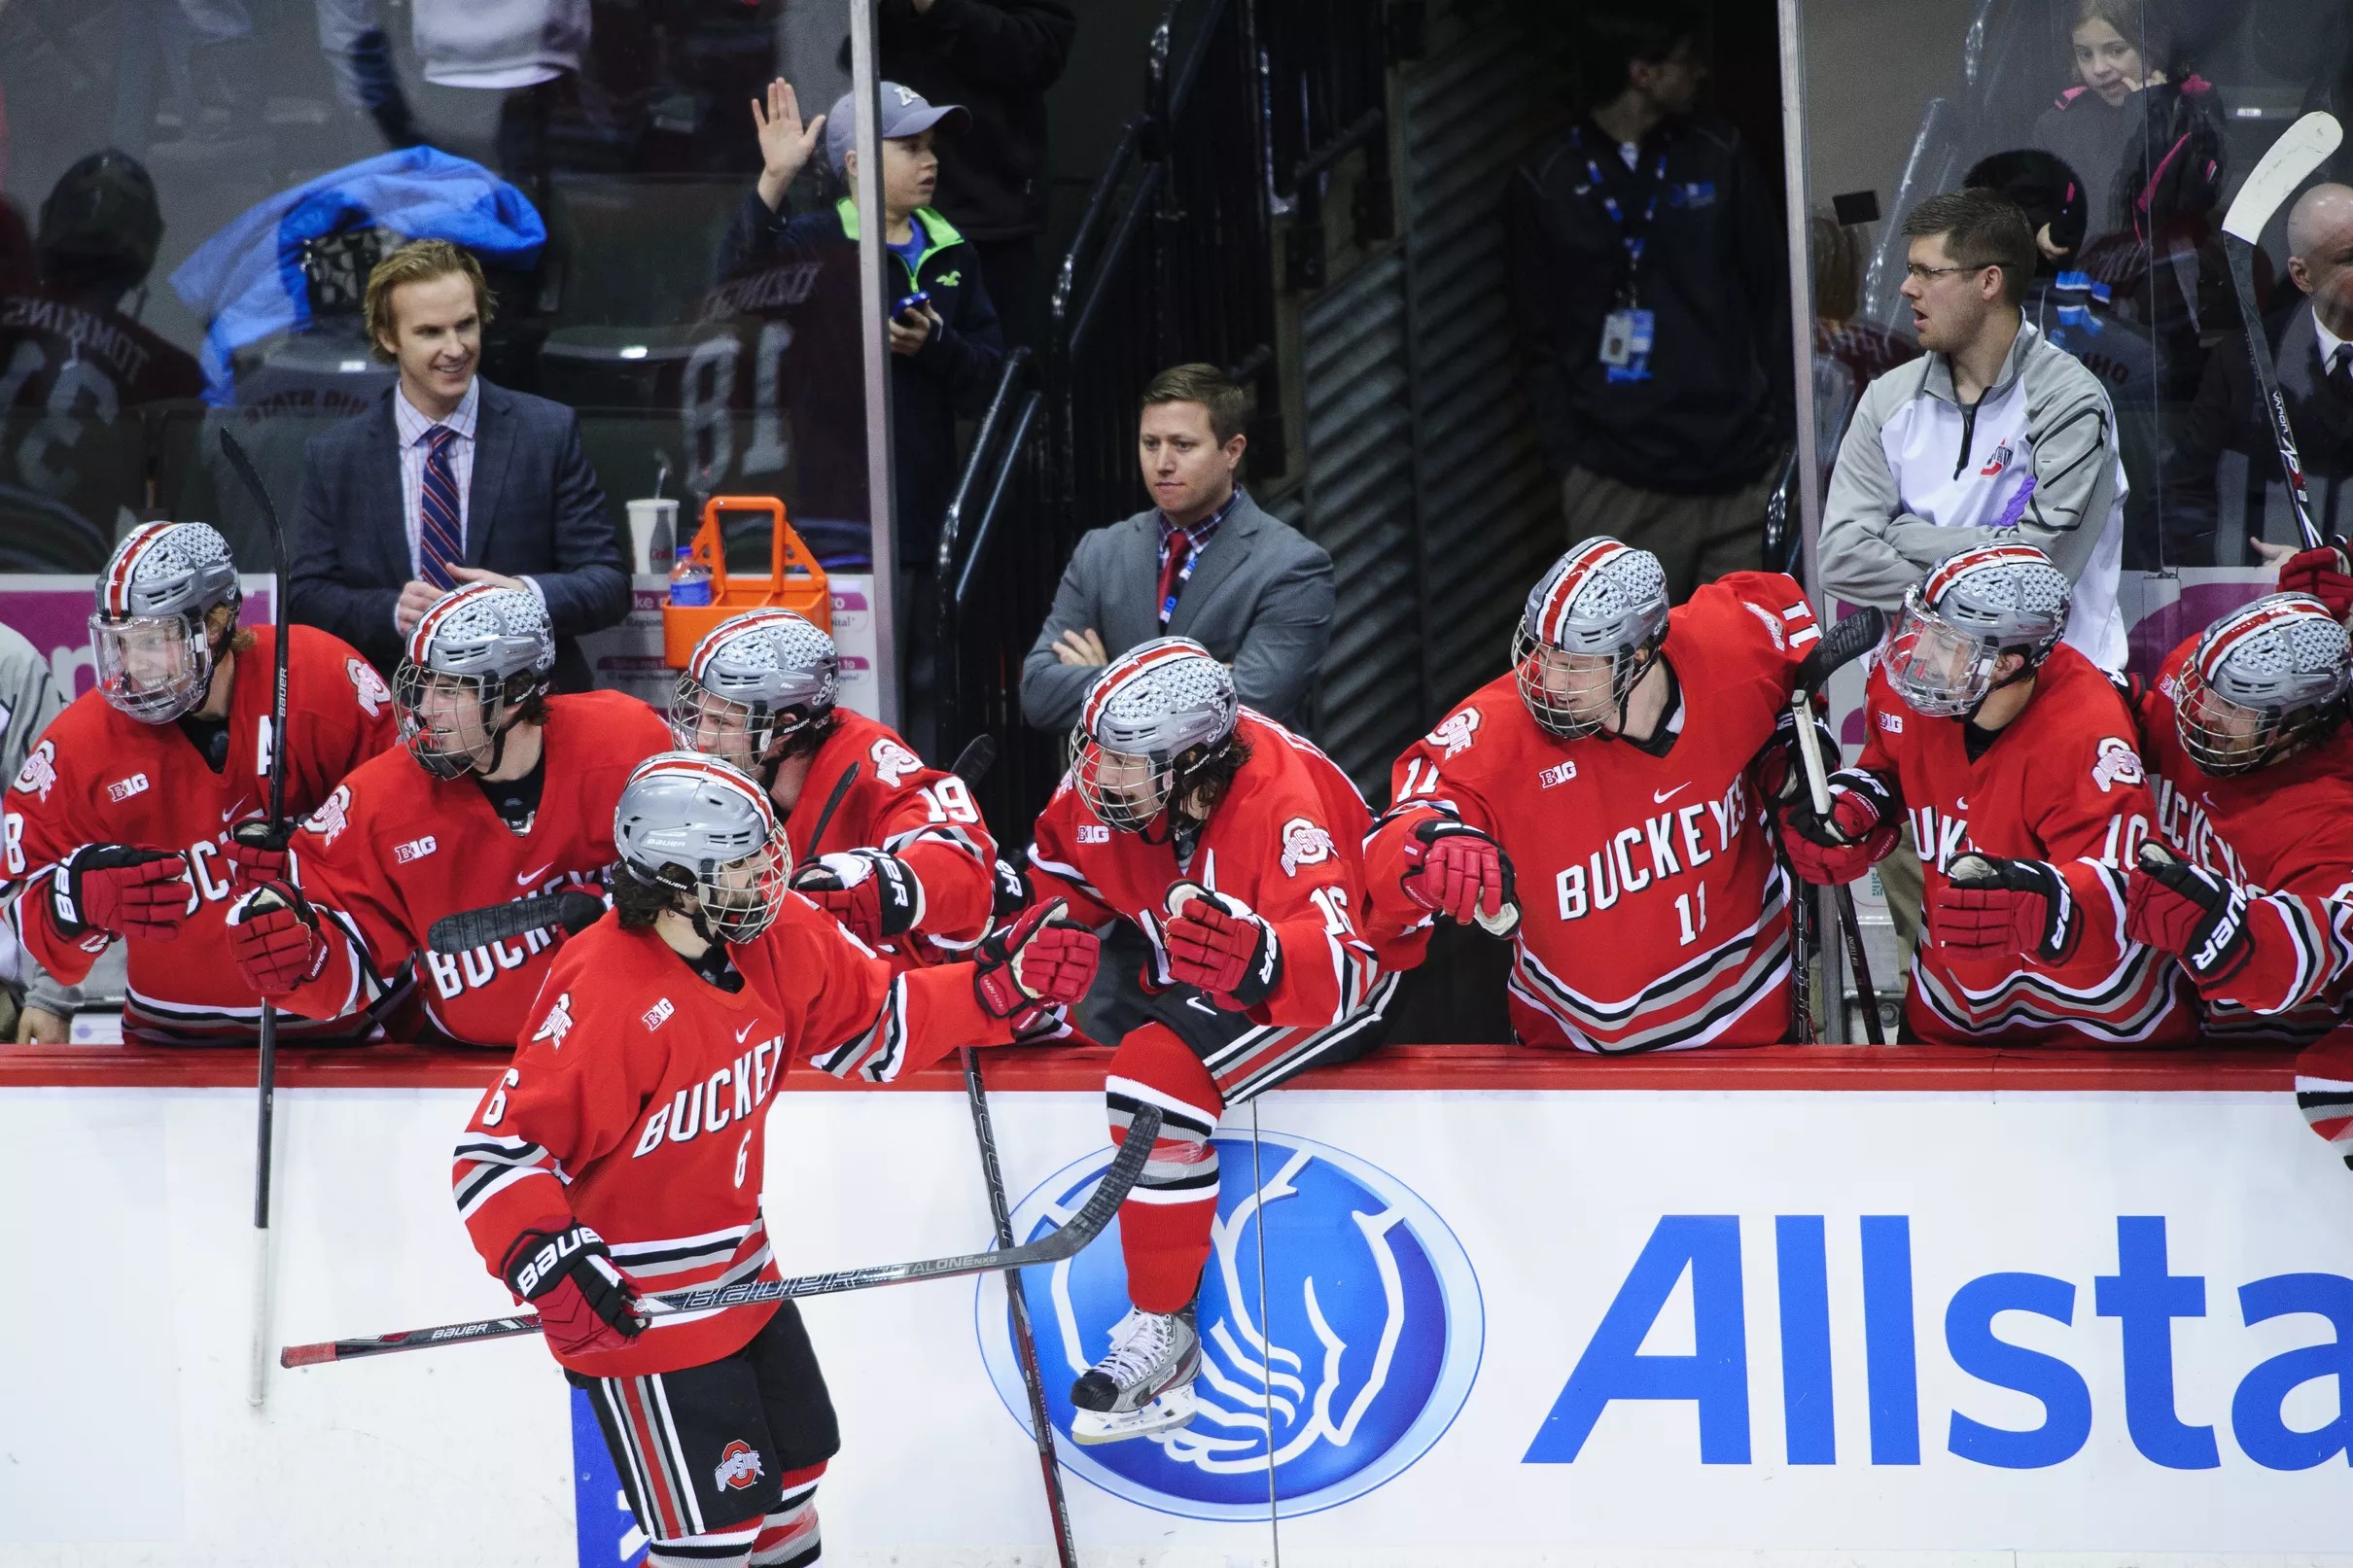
[1921, 274]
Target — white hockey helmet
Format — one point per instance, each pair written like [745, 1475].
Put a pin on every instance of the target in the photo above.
[1969, 611]
[147, 633]
[2264, 679]
[1589, 632]
[752, 679]
[695, 825]
[475, 659]
[1154, 719]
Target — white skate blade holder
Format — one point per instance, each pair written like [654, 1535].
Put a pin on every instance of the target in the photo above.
[1171, 1411]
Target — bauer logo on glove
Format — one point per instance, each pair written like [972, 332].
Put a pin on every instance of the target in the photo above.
[1219, 944]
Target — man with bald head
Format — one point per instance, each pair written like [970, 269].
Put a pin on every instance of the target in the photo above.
[2311, 334]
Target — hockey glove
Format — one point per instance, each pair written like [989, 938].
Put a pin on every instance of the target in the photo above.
[1455, 870]
[2325, 573]
[275, 939]
[1036, 961]
[1859, 829]
[2189, 912]
[1993, 907]
[1009, 890]
[121, 891]
[257, 852]
[1219, 945]
[564, 1268]
[1779, 767]
[874, 896]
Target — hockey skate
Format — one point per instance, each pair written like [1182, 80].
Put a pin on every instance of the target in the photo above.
[1144, 1385]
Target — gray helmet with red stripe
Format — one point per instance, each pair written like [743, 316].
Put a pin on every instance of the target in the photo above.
[484, 645]
[1961, 618]
[2264, 679]
[1601, 609]
[752, 678]
[1160, 711]
[695, 825]
[148, 632]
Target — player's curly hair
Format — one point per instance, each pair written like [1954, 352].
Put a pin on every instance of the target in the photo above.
[241, 639]
[1204, 777]
[637, 900]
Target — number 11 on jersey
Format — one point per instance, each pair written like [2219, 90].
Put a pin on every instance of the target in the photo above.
[1683, 912]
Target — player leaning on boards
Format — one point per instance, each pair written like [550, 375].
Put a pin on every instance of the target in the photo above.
[1232, 845]
[2016, 759]
[893, 850]
[623, 1147]
[502, 791]
[120, 824]
[1604, 795]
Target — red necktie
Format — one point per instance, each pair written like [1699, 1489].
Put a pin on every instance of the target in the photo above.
[1171, 573]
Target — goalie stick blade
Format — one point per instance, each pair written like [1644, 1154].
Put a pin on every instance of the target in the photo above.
[1840, 645]
[1090, 1221]
[2300, 149]
[973, 762]
[469, 928]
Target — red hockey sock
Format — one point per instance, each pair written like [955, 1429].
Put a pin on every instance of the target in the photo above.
[1164, 1225]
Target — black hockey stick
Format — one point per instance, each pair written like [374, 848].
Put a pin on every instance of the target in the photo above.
[1849, 639]
[571, 909]
[2300, 150]
[1084, 1226]
[265, 1112]
[825, 818]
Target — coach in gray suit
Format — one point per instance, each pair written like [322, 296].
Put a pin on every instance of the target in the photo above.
[1204, 563]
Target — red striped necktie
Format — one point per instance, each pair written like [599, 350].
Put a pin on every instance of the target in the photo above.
[441, 538]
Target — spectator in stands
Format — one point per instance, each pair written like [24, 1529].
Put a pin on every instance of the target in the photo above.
[997, 57]
[449, 480]
[2312, 343]
[1202, 562]
[1649, 276]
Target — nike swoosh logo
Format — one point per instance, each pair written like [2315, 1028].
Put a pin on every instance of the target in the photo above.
[1960, 803]
[1660, 798]
[525, 879]
[746, 1029]
[230, 815]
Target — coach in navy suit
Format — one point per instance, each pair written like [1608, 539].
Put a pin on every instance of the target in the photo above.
[449, 480]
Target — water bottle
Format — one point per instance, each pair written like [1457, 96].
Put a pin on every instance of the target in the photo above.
[689, 580]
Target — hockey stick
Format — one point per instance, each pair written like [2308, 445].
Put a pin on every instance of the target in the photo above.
[825, 818]
[1849, 639]
[2299, 151]
[1084, 1226]
[470, 929]
[265, 1113]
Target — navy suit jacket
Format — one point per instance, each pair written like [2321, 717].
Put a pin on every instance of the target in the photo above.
[533, 510]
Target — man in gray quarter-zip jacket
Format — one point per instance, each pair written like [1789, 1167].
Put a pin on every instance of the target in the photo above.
[1992, 435]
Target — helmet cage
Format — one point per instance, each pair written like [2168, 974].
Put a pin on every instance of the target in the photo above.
[2265, 681]
[1941, 669]
[736, 899]
[703, 720]
[154, 668]
[449, 752]
[1541, 670]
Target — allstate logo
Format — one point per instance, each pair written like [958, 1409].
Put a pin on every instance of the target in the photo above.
[1372, 1332]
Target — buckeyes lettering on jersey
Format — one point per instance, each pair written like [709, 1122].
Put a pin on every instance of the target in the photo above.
[1654, 914]
[99, 777]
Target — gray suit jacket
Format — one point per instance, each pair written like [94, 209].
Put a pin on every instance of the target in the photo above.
[1260, 600]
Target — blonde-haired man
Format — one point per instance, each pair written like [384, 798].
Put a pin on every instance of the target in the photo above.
[450, 479]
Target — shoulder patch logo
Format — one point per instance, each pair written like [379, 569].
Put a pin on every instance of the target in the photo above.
[2116, 764]
[39, 775]
[1892, 723]
[556, 1024]
[332, 815]
[1094, 833]
[1304, 844]
[893, 762]
[367, 685]
[125, 788]
[1456, 732]
[1772, 624]
[659, 1014]
[414, 850]
[1560, 773]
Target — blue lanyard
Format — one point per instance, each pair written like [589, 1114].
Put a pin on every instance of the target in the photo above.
[1633, 239]
[1184, 572]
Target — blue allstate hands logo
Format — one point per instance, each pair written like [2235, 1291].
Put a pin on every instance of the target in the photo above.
[1341, 1330]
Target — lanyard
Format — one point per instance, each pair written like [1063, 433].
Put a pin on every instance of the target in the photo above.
[1172, 586]
[1633, 239]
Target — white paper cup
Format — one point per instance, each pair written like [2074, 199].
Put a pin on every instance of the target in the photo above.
[654, 535]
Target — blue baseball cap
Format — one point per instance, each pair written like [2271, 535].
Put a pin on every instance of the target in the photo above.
[905, 113]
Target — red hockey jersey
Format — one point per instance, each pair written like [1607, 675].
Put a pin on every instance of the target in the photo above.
[923, 816]
[1286, 841]
[2064, 784]
[2285, 833]
[637, 1103]
[99, 777]
[393, 848]
[1654, 914]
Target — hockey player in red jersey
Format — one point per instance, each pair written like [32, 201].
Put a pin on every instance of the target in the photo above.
[1234, 846]
[1603, 793]
[119, 826]
[904, 860]
[501, 793]
[622, 1150]
[2015, 758]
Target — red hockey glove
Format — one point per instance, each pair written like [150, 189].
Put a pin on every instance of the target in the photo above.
[1455, 870]
[873, 894]
[121, 891]
[274, 940]
[1036, 961]
[1993, 907]
[257, 852]
[2325, 573]
[2189, 912]
[565, 1268]
[1217, 944]
[1859, 829]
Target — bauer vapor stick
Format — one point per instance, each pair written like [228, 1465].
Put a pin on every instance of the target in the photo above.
[1849, 639]
[468, 928]
[2299, 151]
[1084, 1226]
[266, 1111]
